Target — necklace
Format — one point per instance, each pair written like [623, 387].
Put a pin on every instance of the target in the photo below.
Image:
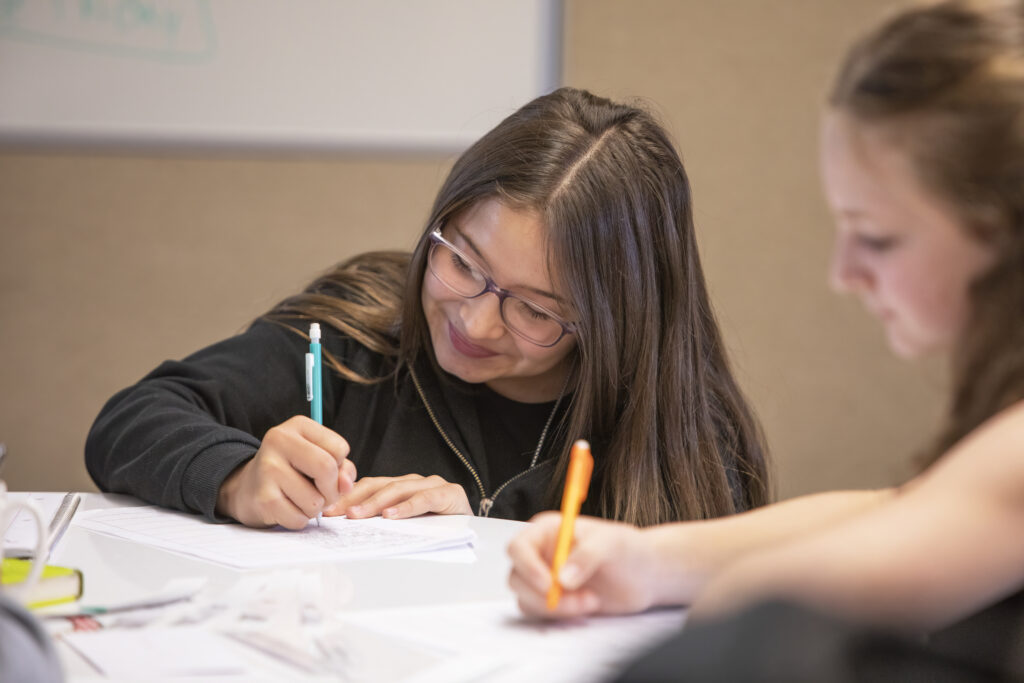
[547, 425]
[486, 502]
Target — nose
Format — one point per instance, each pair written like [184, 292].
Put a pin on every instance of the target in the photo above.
[482, 317]
[846, 274]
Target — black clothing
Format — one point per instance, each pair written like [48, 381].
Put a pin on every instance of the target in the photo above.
[777, 642]
[513, 429]
[173, 438]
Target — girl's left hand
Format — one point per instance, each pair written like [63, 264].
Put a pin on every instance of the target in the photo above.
[400, 497]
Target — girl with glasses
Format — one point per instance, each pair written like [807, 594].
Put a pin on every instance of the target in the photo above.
[923, 168]
[556, 292]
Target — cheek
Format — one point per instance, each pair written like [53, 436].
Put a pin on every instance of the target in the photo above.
[433, 312]
[433, 296]
[934, 303]
[542, 358]
[952, 306]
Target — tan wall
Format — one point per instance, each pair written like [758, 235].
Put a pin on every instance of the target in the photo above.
[110, 264]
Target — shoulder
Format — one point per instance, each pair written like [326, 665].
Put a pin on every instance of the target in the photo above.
[261, 342]
[1000, 436]
[1008, 423]
[990, 459]
[294, 332]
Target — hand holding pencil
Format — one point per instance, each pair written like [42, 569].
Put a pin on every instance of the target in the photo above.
[300, 468]
[577, 481]
[564, 565]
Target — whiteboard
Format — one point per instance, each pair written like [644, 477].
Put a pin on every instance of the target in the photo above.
[286, 74]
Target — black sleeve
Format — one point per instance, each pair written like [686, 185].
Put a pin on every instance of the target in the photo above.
[173, 438]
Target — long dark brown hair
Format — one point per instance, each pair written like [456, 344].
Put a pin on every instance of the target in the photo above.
[947, 80]
[650, 382]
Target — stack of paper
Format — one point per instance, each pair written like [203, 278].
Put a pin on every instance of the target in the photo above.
[337, 539]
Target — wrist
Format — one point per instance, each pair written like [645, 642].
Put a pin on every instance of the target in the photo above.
[676, 571]
[226, 494]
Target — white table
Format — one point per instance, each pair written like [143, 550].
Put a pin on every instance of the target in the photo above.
[115, 569]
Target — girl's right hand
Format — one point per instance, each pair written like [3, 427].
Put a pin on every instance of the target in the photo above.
[610, 569]
[300, 468]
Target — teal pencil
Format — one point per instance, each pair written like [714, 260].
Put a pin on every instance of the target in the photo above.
[314, 382]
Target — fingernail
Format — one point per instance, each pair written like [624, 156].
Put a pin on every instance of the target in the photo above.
[390, 512]
[355, 511]
[569, 575]
[317, 502]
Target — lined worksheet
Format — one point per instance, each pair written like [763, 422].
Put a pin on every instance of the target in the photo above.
[336, 539]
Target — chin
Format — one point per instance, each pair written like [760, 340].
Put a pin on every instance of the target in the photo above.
[446, 358]
[912, 349]
[904, 351]
[454, 363]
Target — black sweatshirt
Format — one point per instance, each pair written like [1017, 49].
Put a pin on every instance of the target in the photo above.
[173, 438]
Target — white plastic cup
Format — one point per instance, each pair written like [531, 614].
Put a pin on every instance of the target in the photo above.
[8, 511]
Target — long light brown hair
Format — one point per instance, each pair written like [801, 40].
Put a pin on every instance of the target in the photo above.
[651, 383]
[947, 80]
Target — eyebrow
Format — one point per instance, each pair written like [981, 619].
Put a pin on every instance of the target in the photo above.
[483, 258]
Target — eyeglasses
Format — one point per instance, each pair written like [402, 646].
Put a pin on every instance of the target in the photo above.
[462, 275]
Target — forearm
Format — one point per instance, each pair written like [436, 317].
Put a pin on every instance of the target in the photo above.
[927, 557]
[174, 437]
[689, 554]
[152, 444]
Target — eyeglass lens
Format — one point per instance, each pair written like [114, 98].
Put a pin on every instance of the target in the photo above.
[465, 279]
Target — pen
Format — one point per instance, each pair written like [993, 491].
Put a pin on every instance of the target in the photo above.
[61, 520]
[577, 481]
[314, 385]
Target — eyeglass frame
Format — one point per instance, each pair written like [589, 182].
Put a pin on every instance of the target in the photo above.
[437, 239]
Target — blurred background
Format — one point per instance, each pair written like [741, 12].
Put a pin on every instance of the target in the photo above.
[116, 257]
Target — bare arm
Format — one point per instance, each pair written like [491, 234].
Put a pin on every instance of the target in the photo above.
[944, 546]
[689, 554]
[617, 568]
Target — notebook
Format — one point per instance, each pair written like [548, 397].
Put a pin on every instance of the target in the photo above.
[55, 584]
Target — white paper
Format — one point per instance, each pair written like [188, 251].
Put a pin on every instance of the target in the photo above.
[151, 653]
[283, 624]
[497, 633]
[463, 554]
[337, 539]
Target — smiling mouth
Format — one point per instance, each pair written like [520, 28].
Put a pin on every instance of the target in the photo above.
[466, 347]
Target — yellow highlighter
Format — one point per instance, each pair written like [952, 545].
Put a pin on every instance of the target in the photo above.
[577, 481]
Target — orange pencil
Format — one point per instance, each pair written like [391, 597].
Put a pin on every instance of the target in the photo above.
[577, 481]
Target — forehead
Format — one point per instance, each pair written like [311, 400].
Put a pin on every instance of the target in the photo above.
[510, 242]
[868, 174]
[859, 171]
